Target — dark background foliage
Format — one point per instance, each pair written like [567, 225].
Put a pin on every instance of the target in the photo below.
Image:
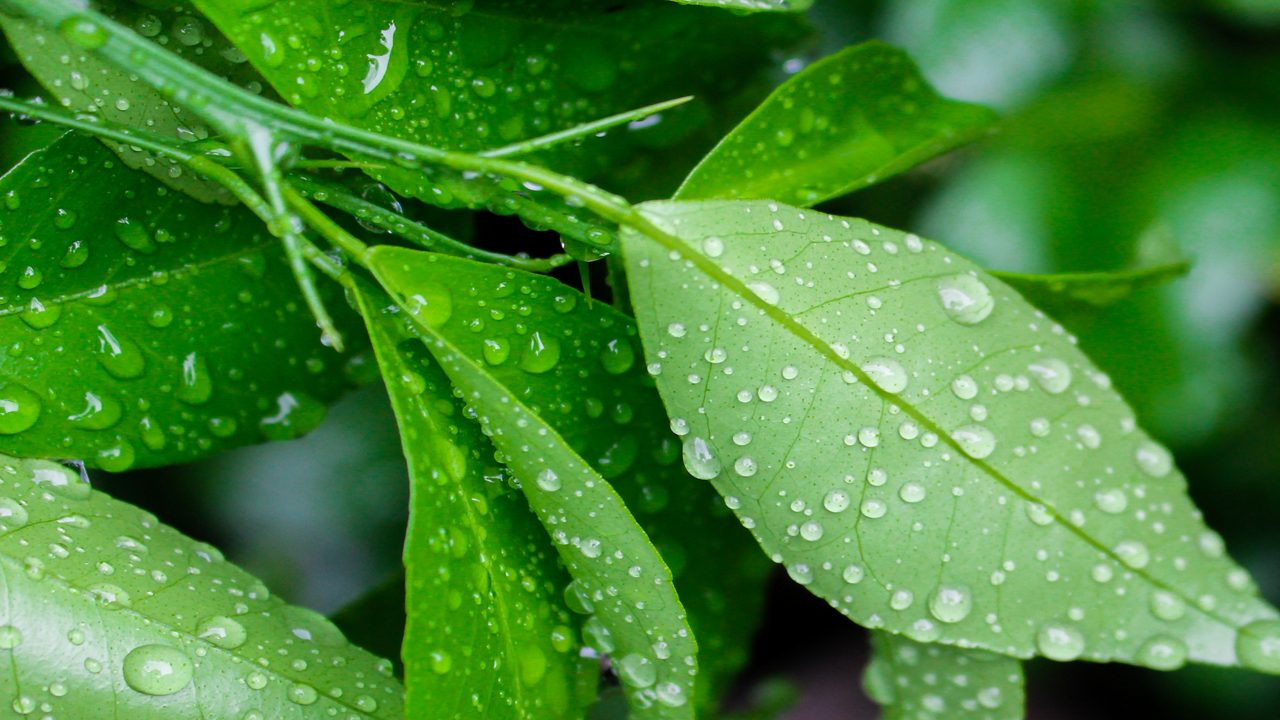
[1134, 131]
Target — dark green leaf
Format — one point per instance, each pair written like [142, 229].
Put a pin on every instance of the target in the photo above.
[142, 327]
[617, 574]
[1076, 291]
[108, 613]
[848, 121]
[754, 5]
[375, 620]
[488, 634]
[599, 398]
[83, 83]
[923, 448]
[486, 74]
[913, 681]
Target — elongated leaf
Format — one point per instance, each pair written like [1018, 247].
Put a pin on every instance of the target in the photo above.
[484, 74]
[915, 681]
[1075, 291]
[108, 613]
[923, 448]
[488, 634]
[84, 83]
[618, 575]
[848, 121]
[142, 327]
[754, 5]
[598, 397]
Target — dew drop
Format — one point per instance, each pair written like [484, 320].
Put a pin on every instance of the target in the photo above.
[975, 441]
[1153, 459]
[541, 354]
[700, 460]
[965, 299]
[157, 670]
[222, 631]
[887, 374]
[951, 603]
[1258, 646]
[1060, 642]
[1052, 375]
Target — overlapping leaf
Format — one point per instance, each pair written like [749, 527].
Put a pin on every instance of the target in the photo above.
[84, 83]
[480, 75]
[923, 448]
[598, 397]
[142, 327]
[1071, 292]
[619, 576]
[108, 613]
[754, 5]
[487, 632]
[917, 682]
[848, 121]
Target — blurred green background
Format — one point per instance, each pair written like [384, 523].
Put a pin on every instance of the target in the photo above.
[1134, 132]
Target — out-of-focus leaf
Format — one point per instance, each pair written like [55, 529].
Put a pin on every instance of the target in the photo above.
[144, 328]
[617, 574]
[83, 83]
[486, 74]
[1072, 292]
[108, 613]
[375, 621]
[598, 397]
[487, 634]
[923, 448]
[914, 681]
[849, 120]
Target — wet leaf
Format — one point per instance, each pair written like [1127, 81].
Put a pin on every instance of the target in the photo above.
[488, 634]
[918, 681]
[1082, 291]
[923, 448]
[845, 122]
[618, 576]
[486, 74]
[109, 613]
[754, 5]
[142, 327]
[83, 83]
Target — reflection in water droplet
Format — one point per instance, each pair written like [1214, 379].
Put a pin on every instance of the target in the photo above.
[700, 460]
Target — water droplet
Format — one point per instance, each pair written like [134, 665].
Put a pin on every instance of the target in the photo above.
[951, 604]
[496, 350]
[1153, 459]
[83, 32]
[671, 694]
[700, 460]
[801, 573]
[836, 501]
[965, 299]
[1112, 501]
[19, 408]
[432, 304]
[873, 509]
[912, 492]
[765, 291]
[222, 631]
[853, 574]
[886, 373]
[157, 670]
[1258, 646]
[1133, 553]
[618, 356]
[10, 637]
[975, 441]
[1052, 375]
[123, 359]
[541, 354]
[745, 466]
[1163, 653]
[302, 694]
[12, 514]
[636, 670]
[1060, 642]
[195, 385]
[548, 480]
[134, 236]
[713, 247]
[964, 387]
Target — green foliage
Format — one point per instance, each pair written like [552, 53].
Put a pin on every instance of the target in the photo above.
[594, 499]
[145, 328]
[108, 613]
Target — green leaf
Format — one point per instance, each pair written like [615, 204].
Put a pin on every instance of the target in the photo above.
[754, 5]
[923, 448]
[917, 681]
[1090, 290]
[598, 397]
[617, 574]
[487, 633]
[483, 75]
[142, 327]
[108, 613]
[845, 122]
[83, 83]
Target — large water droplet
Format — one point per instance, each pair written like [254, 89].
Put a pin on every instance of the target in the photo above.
[195, 386]
[886, 373]
[120, 357]
[222, 631]
[1052, 375]
[636, 670]
[1258, 646]
[541, 354]
[700, 460]
[965, 299]
[1060, 642]
[975, 440]
[951, 603]
[1153, 459]
[1163, 653]
[157, 670]
[19, 408]
[431, 304]
[618, 356]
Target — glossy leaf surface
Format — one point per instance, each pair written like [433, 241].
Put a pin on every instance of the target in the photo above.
[1076, 291]
[619, 577]
[473, 76]
[141, 327]
[923, 448]
[845, 122]
[913, 681]
[599, 398]
[84, 83]
[109, 613]
[487, 632]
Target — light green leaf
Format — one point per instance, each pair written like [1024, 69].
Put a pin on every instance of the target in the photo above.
[1090, 290]
[487, 633]
[108, 613]
[482, 75]
[617, 574]
[917, 682]
[845, 122]
[921, 447]
[83, 83]
[142, 327]
[598, 397]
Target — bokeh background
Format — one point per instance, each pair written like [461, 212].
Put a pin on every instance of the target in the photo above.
[1134, 132]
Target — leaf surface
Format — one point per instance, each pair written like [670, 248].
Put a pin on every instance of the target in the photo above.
[1089, 290]
[483, 75]
[845, 122]
[108, 613]
[921, 447]
[618, 575]
[83, 83]
[914, 681]
[142, 327]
